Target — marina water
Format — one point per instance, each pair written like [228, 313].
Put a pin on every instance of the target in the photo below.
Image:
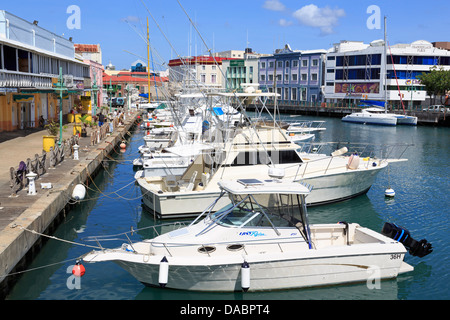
[113, 206]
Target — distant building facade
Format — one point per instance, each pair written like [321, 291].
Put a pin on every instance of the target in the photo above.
[202, 71]
[241, 71]
[296, 75]
[356, 71]
[30, 61]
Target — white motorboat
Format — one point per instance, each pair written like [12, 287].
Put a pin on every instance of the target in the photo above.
[374, 115]
[371, 116]
[262, 241]
[335, 177]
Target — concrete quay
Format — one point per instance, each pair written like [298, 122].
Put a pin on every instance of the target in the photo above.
[40, 212]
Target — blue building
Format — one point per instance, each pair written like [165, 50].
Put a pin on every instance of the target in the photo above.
[296, 75]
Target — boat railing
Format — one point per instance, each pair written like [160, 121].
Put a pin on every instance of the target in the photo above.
[365, 151]
[372, 150]
[125, 236]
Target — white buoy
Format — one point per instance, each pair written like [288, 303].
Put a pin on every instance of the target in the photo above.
[163, 272]
[79, 192]
[389, 192]
[245, 276]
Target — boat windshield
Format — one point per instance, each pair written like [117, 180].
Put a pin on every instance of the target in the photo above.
[268, 210]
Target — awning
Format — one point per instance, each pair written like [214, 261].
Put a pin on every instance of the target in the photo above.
[23, 98]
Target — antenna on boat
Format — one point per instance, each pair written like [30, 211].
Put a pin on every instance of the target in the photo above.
[385, 66]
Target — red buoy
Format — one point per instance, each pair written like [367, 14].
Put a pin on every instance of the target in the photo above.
[78, 270]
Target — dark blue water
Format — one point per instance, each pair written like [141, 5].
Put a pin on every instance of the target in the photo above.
[114, 205]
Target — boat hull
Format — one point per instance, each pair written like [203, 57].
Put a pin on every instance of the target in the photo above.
[370, 119]
[328, 188]
[288, 273]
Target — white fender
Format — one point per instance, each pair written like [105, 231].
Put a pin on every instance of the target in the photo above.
[245, 276]
[79, 192]
[163, 272]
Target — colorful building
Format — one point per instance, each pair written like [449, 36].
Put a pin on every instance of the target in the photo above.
[296, 75]
[30, 62]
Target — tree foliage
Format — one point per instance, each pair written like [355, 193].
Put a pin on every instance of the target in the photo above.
[436, 82]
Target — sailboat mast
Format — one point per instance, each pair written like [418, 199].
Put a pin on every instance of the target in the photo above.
[148, 60]
[385, 66]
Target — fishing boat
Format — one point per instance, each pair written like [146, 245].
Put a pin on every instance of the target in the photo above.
[261, 241]
[336, 176]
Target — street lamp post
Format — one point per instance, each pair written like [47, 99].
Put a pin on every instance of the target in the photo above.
[60, 88]
[110, 90]
[95, 89]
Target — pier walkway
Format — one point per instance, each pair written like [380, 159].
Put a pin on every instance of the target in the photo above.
[38, 212]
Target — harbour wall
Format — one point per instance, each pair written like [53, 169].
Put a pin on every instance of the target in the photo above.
[18, 246]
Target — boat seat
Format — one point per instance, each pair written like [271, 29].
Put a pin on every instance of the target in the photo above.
[171, 182]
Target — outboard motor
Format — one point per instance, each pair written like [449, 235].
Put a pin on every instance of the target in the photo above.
[416, 248]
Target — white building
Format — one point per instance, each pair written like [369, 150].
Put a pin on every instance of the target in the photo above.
[202, 71]
[356, 71]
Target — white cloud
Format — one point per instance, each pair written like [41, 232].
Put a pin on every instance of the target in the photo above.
[285, 23]
[274, 5]
[324, 18]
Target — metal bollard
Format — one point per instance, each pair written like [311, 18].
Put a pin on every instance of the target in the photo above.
[75, 152]
[31, 185]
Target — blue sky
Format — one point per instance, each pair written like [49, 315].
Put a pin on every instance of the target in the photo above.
[264, 24]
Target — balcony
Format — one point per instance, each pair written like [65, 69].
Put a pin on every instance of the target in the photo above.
[10, 79]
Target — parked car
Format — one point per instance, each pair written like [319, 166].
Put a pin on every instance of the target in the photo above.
[436, 108]
[118, 102]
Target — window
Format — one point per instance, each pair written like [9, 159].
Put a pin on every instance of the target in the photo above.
[304, 63]
[271, 64]
[294, 77]
[304, 77]
[203, 78]
[286, 77]
[270, 77]
[9, 58]
[330, 58]
[315, 62]
[255, 157]
[280, 64]
[294, 94]
[314, 77]
[263, 65]
[263, 77]
[330, 70]
[213, 78]
[287, 64]
[286, 93]
[304, 94]
[330, 84]
[295, 63]
[278, 77]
